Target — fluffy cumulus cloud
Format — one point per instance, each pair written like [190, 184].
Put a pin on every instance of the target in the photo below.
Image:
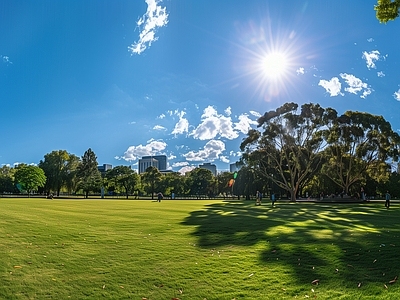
[180, 164]
[152, 147]
[182, 125]
[355, 85]
[244, 124]
[154, 18]
[396, 95]
[211, 151]
[332, 86]
[186, 169]
[371, 58]
[213, 124]
[224, 159]
[381, 74]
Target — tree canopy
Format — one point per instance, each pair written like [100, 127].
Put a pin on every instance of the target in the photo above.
[297, 147]
[387, 10]
[123, 177]
[30, 178]
[88, 174]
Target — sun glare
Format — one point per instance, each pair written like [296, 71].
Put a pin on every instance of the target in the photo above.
[274, 65]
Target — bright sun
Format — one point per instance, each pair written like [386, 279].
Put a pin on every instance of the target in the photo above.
[274, 65]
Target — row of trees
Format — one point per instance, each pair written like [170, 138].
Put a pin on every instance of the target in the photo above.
[315, 150]
[294, 151]
[61, 171]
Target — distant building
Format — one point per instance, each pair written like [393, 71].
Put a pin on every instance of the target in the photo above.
[157, 161]
[209, 166]
[104, 168]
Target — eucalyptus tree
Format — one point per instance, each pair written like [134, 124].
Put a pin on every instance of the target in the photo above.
[151, 179]
[123, 177]
[387, 10]
[29, 177]
[288, 150]
[360, 145]
[88, 174]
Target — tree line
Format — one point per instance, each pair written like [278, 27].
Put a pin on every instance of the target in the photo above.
[294, 152]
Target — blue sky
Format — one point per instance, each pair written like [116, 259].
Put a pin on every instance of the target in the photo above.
[184, 78]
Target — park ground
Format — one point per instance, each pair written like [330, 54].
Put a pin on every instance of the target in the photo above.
[197, 249]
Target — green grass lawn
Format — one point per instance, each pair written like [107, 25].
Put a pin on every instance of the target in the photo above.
[118, 249]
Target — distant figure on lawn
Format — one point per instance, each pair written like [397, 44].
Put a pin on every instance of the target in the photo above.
[387, 198]
[159, 196]
[258, 198]
[273, 198]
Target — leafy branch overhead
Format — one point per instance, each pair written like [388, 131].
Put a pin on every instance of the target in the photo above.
[387, 10]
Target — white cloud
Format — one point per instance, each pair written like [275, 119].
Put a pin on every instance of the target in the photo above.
[159, 127]
[6, 59]
[381, 74]
[255, 113]
[300, 71]
[186, 169]
[332, 86]
[153, 147]
[356, 85]
[244, 124]
[180, 164]
[162, 116]
[214, 124]
[155, 16]
[228, 111]
[370, 58]
[370, 40]
[224, 159]
[211, 151]
[396, 95]
[182, 125]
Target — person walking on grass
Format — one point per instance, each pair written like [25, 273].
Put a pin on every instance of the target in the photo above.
[387, 199]
[273, 198]
[159, 197]
[258, 198]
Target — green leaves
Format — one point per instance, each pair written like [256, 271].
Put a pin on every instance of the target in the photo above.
[386, 10]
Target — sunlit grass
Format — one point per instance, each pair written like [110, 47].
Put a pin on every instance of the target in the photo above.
[116, 249]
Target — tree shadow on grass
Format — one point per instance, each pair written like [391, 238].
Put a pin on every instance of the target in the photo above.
[345, 244]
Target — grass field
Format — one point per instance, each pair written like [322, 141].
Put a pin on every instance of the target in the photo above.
[117, 249]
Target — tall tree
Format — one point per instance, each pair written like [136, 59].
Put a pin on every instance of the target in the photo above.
[71, 179]
[225, 183]
[56, 166]
[30, 178]
[360, 145]
[123, 177]
[88, 175]
[151, 178]
[387, 10]
[288, 150]
[201, 181]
